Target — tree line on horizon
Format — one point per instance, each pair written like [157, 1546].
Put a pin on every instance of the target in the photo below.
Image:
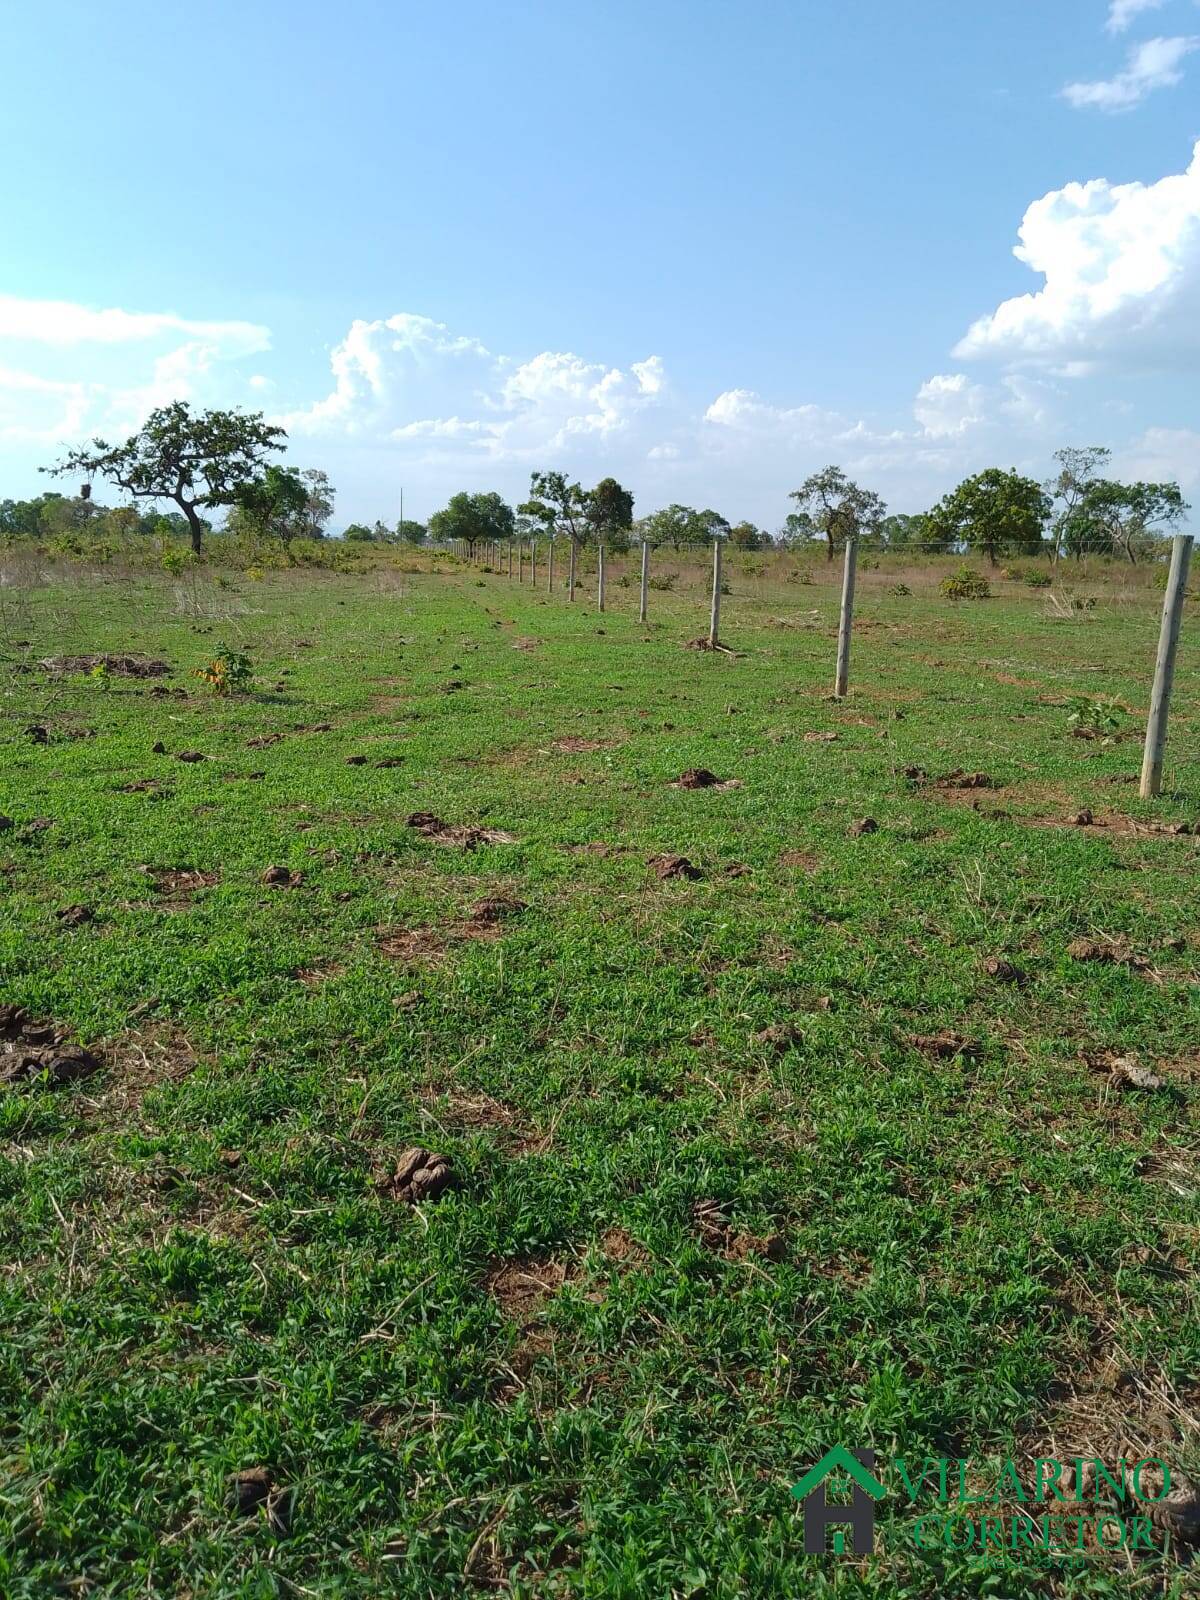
[217, 462]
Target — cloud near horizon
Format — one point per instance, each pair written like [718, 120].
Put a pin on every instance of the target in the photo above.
[412, 400]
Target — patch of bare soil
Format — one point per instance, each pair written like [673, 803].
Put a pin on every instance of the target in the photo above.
[30, 1049]
[1003, 971]
[597, 847]
[945, 1046]
[418, 1175]
[572, 746]
[1125, 1071]
[702, 778]
[717, 1233]
[74, 916]
[263, 740]
[180, 883]
[779, 1037]
[815, 737]
[803, 859]
[141, 1060]
[670, 866]
[1112, 1410]
[433, 828]
[862, 826]
[322, 972]
[1111, 952]
[411, 944]
[142, 786]
[522, 1287]
[119, 666]
[622, 1249]
[526, 644]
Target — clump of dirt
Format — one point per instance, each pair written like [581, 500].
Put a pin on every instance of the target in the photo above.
[521, 1287]
[779, 1036]
[255, 1489]
[915, 775]
[391, 761]
[141, 786]
[119, 666]
[29, 1049]
[356, 761]
[180, 882]
[281, 878]
[191, 755]
[454, 836]
[526, 644]
[1004, 971]
[572, 746]
[37, 734]
[263, 740]
[669, 866]
[74, 916]
[621, 1247]
[863, 825]
[311, 977]
[815, 737]
[945, 1046]
[718, 1234]
[702, 778]
[1081, 819]
[419, 1175]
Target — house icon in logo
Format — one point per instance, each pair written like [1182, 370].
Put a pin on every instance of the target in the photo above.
[858, 1514]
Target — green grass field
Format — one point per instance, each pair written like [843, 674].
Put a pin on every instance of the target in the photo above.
[929, 1211]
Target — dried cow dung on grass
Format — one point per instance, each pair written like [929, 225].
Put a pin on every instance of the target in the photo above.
[780, 1036]
[119, 666]
[669, 866]
[495, 908]
[718, 1234]
[464, 838]
[944, 1046]
[1107, 952]
[191, 755]
[281, 878]
[958, 779]
[419, 1175]
[863, 825]
[1003, 971]
[1125, 1071]
[75, 916]
[29, 1049]
[697, 778]
[1081, 819]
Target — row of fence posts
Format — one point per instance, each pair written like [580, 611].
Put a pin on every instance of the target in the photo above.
[1164, 668]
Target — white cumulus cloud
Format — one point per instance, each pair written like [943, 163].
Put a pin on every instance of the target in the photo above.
[1151, 65]
[948, 404]
[1121, 264]
[62, 322]
[1122, 12]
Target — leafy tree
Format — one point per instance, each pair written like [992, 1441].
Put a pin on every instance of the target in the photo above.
[275, 506]
[996, 512]
[358, 533]
[1123, 516]
[473, 517]
[318, 506]
[745, 536]
[679, 526]
[798, 528]
[195, 460]
[838, 507]
[608, 511]
[411, 532]
[900, 531]
[1078, 466]
[557, 506]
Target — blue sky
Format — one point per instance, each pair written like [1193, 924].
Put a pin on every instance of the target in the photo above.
[705, 247]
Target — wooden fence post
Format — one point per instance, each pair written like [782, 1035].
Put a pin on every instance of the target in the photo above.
[645, 578]
[1164, 666]
[550, 570]
[600, 578]
[520, 561]
[510, 560]
[714, 623]
[571, 573]
[846, 621]
[533, 562]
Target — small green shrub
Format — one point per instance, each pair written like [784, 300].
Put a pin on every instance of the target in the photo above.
[1038, 580]
[1094, 719]
[899, 590]
[229, 672]
[664, 582]
[966, 584]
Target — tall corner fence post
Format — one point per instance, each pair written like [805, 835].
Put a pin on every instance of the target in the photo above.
[1164, 666]
[600, 578]
[533, 563]
[571, 572]
[550, 569]
[714, 621]
[645, 579]
[846, 620]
